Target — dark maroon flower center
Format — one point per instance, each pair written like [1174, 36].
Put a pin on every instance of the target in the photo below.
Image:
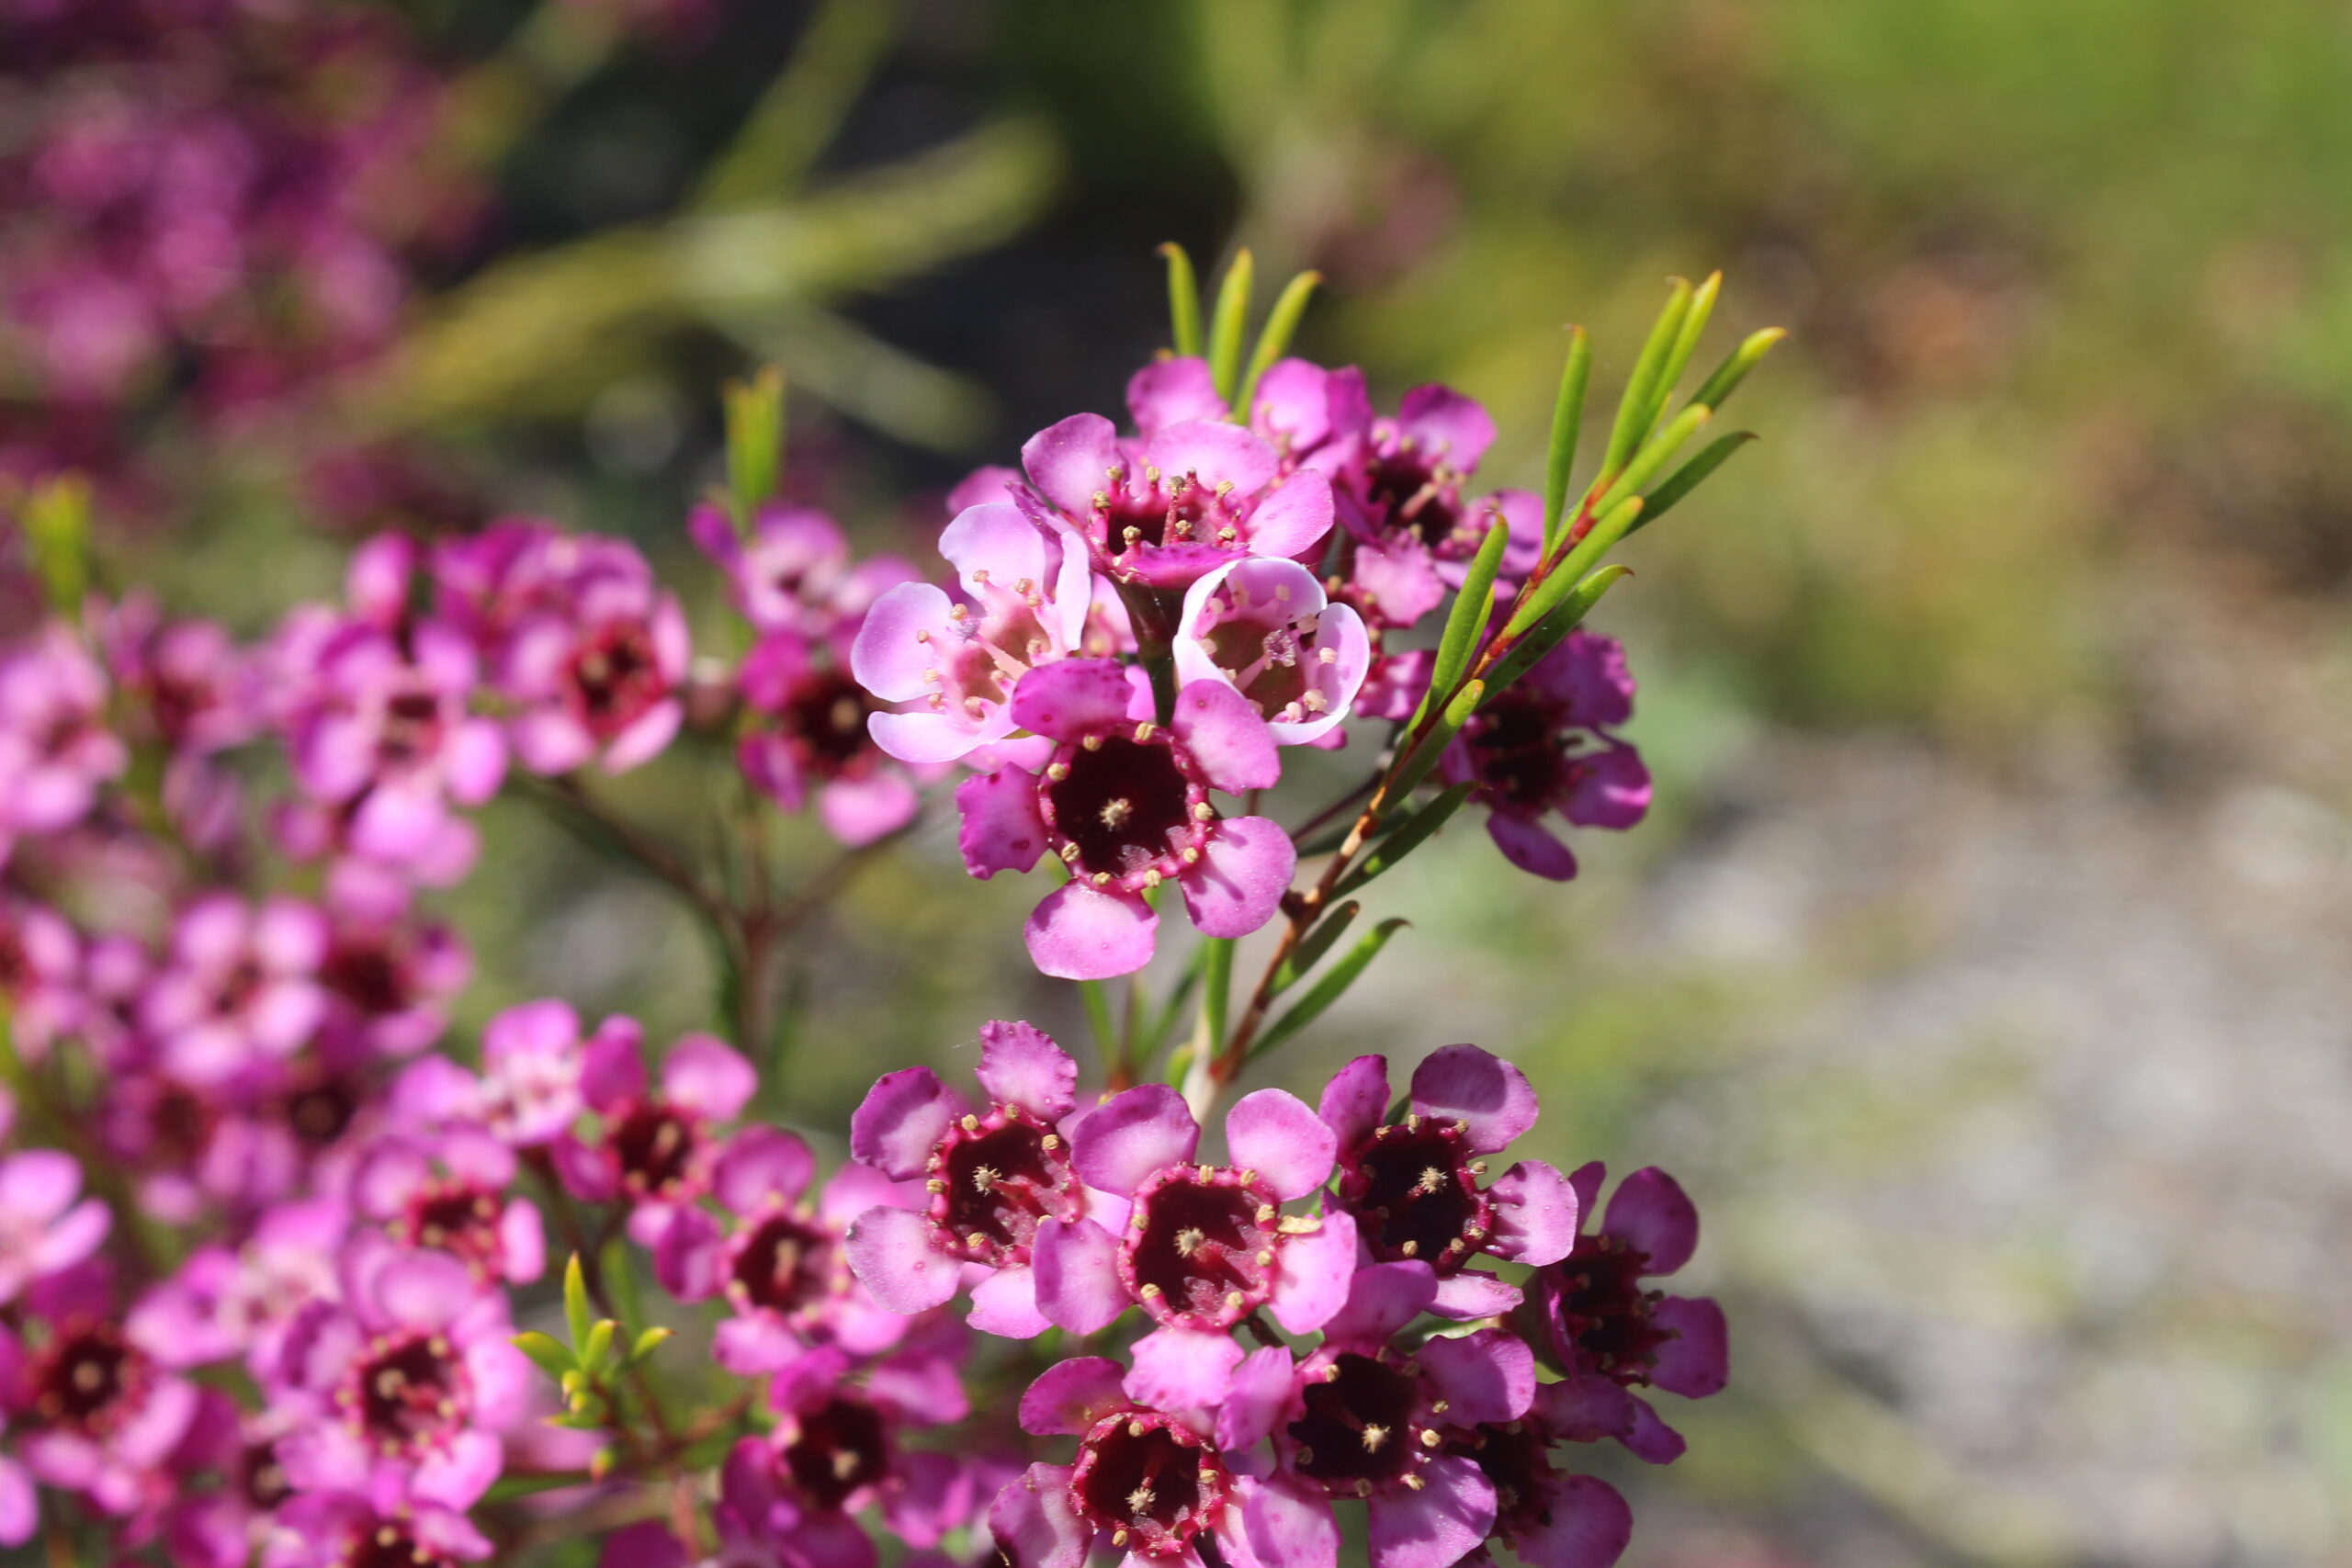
[367, 974]
[1414, 1190]
[615, 678]
[407, 1391]
[842, 1445]
[1604, 1316]
[16, 968]
[455, 1215]
[826, 715]
[1200, 1247]
[238, 988]
[411, 728]
[654, 1144]
[1358, 1432]
[995, 1178]
[1151, 1482]
[1518, 1460]
[260, 1477]
[1410, 490]
[1169, 511]
[783, 1265]
[1123, 806]
[390, 1546]
[320, 1109]
[89, 1378]
[1519, 749]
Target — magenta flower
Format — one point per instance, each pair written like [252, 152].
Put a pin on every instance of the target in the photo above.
[189, 677]
[1204, 1245]
[389, 977]
[1611, 1334]
[1401, 499]
[529, 1090]
[55, 748]
[41, 981]
[240, 989]
[449, 1193]
[224, 1303]
[815, 736]
[993, 1177]
[951, 665]
[105, 1415]
[1124, 804]
[415, 1379]
[793, 572]
[1312, 417]
[596, 672]
[1266, 629]
[1547, 1516]
[1543, 746]
[42, 1229]
[781, 1264]
[1414, 1186]
[1146, 1481]
[652, 1151]
[344, 1530]
[1163, 510]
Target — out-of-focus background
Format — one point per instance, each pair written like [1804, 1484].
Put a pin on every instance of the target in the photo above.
[1986, 970]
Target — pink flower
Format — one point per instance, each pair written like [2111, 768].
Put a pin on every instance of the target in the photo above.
[190, 676]
[1610, 1334]
[389, 977]
[951, 665]
[1164, 509]
[530, 1090]
[1148, 1482]
[595, 663]
[1414, 1186]
[1265, 628]
[42, 1229]
[1543, 746]
[780, 1264]
[993, 1177]
[41, 962]
[1124, 804]
[240, 989]
[105, 1415]
[815, 736]
[1204, 1245]
[449, 1193]
[225, 1302]
[1547, 1516]
[55, 750]
[793, 572]
[1401, 497]
[413, 1380]
[343, 1530]
[653, 1151]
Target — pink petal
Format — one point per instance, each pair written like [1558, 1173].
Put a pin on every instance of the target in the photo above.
[994, 542]
[1132, 1134]
[1356, 1100]
[1439, 417]
[858, 811]
[1226, 736]
[889, 659]
[1001, 828]
[1214, 452]
[1005, 1305]
[1274, 1134]
[901, 1119]
[924, 737]
[1070, 461]
[1021, 1065]
[890, 1252]
[1073, 698]
[1536, 1217]
[1241, 877]
[1437, 1526]
[1612, 790]
[755, 1347]
[1581, 1523]
[1486, 1377]
[760, 1164]
[71, 1238]
[1697, 1361]
[1470, 1295]
[1290, 521]
[1033, 1520]
[1586, 1180]
[1293, 405]
[647, 1544]
[1315, 1274]
[1076, 1264]
[1070, 1396]
[424, 1289]
[646, 737]
[1381, 1299]
[1585, 1409]
[1078, 932]
[1650, 1211]
[1256, 1401]
[1168, 391]
[1531, 847]
[36, 1184]
[612, 1068]
[704, 1074]
[1177, 1369]
[1652, 1440]
[1289, 1522]
[1398, 579]
[1478, 1088]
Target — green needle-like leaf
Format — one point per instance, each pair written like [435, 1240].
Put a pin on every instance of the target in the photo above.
[1216, 988]
[1183, 301]
[1273, 339]
[1329, 988]
[1409, 836]
[1312, 947]
[754, 442]
[1225, 327]
[1423, 758]
[1690, 477]
[575, 1300]
[1554, 628]
[1686, 342]
[56, 520]
[652, 1339]
[1472, 605]
[620, 1282]
[1568, 425]
[1654, 455]
[1613, 525]
[1736, 366]
[599, 1345]
[547, 1353]
[1637, 410]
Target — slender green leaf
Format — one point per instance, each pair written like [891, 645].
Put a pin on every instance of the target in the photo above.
[1568, 425]
[1468, 617]
[1736, 366]
[1225, 327]
[531, 1483]
[1637, 410]
[620, 1283]
[1613, 525]
[548, 1354]
[1216, 988]
[801, 109]
[1686, 342]
[1329, 989]
[1311, 947]
[1690, 476]
[652, 1339]
[56, 519]
[579, 1421]
[1654, 455]
[1273, 339]
[1183, 301]
[1554, 628]
[1417, 831]
[575, 1302]
[1418, 765]
[1164, 1020]
[599, 1347]
[1098, 1016]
